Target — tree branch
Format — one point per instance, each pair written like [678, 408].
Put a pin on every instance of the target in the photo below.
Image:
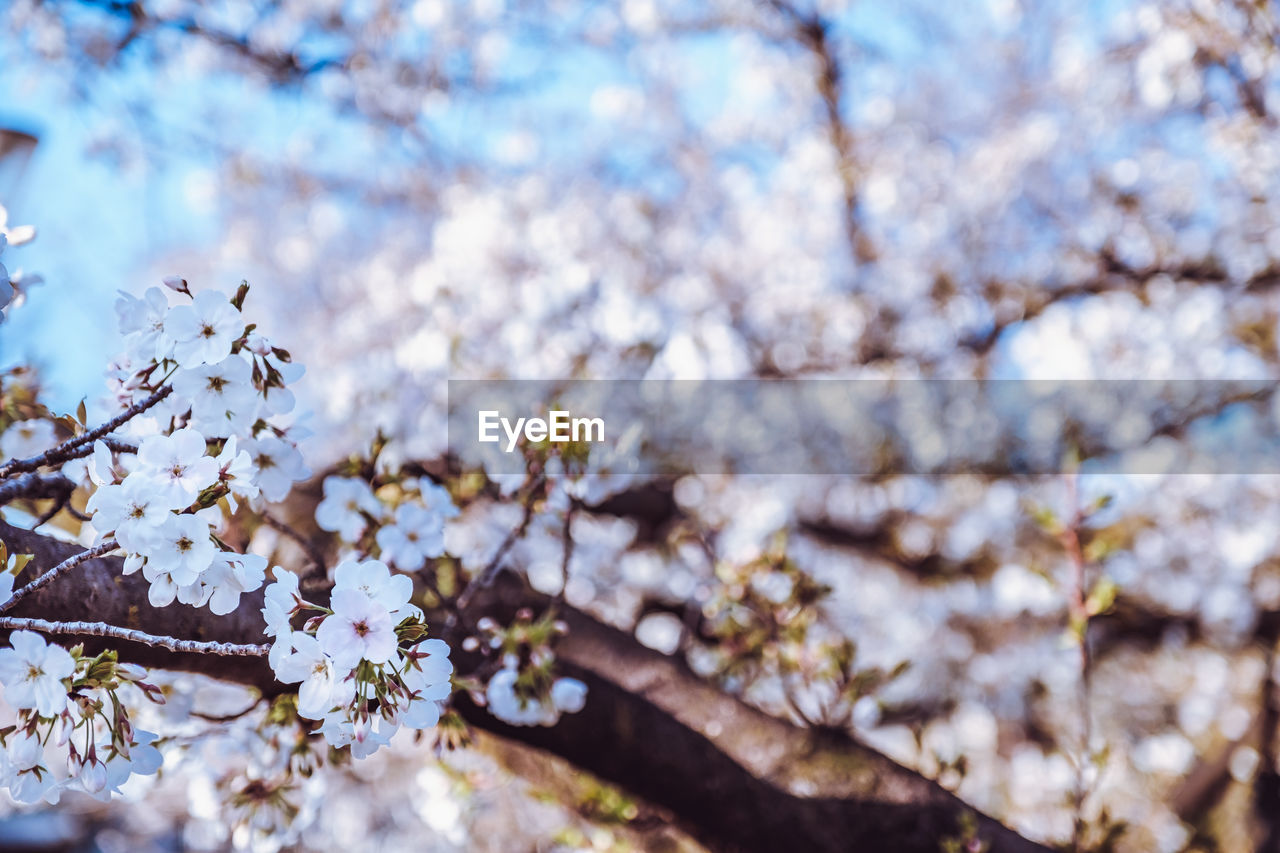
[68, 449]
[101, 629]
[36, 487]
[734, 777]
[61, 568]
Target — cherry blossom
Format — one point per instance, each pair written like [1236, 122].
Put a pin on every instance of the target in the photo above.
[178, 464]
[569, 695]
[436, 499]
[177, 552]
[309, 664]
[222, 396]
[359, 629]
[102, 468]
[224, 581]
[347, 500]
[132, 509]
[142, 321]
[33, 673]
[279, 465]
[505, 703]
[237, 471]
[416, 536]
[374, 579]
[426, 681]
[202, 332]
[281, 600]
[26, 438]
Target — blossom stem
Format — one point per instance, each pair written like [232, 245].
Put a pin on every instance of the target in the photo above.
[101, 629]
[62, 568]
[68, 449]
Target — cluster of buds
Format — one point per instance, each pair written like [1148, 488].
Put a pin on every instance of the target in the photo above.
[525, 691]
[72, 730]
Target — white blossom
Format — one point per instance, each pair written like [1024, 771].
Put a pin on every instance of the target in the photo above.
[202, 332]
[507, 705]
[132, 509]
[178, 465]
[92, 777]
[279, 464]
[436, 499]
[142, 321]
[320, 689]
[102, 468]
[567, 695]
[27, 438]
[224, 581]
[359, 628]
[237, 471]
[416, 535]
[31, 786]
[222, 397]
[374, 579]
[346, 501]
[370, 735]
[24, 751]
[177, 551]
[427, 680]
[33, 672]
[280, 599]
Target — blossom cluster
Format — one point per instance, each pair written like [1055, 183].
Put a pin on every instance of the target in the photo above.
[217, 435]
[524, 691]
[363, 664]
[405, 535]
[72, 732]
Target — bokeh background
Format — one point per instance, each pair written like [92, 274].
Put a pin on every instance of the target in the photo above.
[651, 189]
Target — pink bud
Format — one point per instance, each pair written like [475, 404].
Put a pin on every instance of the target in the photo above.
[258, 345]
[176, 283]
[130, 671]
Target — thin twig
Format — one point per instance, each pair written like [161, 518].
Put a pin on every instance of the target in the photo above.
[568, 543]
[490, 571]
[101, 629]
[62, 568]
[69, 449]
[308, 547]
[58, 504]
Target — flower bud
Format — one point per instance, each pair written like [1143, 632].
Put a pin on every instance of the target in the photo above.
[24, 751]
[130, 672]
[93, 777]
[258, 345]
